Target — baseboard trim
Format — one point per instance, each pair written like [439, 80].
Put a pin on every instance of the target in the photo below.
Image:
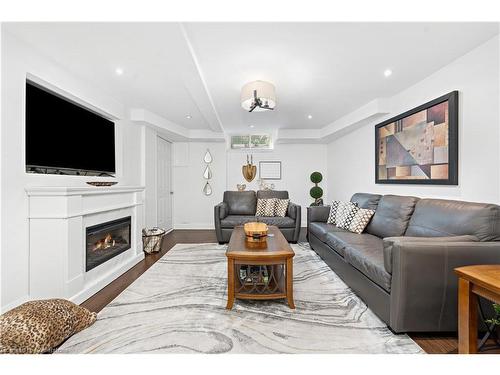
[195, 226]
[110, 277]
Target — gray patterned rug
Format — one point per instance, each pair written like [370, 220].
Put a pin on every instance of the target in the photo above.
[178, 306]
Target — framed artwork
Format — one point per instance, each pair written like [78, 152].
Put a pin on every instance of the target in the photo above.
[270, 170]
[419, 146]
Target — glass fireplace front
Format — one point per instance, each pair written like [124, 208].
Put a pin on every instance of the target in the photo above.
[107, 240]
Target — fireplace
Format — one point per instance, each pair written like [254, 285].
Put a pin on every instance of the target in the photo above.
[107, 240]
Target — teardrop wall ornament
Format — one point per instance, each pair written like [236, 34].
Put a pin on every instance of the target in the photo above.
[208, 157]
[207, 190]
[207, 175]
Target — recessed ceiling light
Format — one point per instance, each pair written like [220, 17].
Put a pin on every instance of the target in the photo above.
[387, 72]
[309, 117]
[252, 126]
[189, 117]
[119, 71]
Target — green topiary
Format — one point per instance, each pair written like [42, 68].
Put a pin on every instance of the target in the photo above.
[316, 192]
[316, 177]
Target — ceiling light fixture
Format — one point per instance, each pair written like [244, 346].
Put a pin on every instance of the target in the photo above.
[258, 96]
[387, 72]
[189, 117]
[252, 126]
[309, 117]
[119, 71]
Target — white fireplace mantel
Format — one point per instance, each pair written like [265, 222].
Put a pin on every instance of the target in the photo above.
[58, 218]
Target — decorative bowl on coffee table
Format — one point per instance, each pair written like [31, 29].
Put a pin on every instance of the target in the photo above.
[255, 232]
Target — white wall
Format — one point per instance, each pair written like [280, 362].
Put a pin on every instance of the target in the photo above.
[192, 209]
[18, 61]
[476, 76]
[298, 161]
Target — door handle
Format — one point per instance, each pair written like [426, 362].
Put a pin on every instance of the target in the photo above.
[171, 193]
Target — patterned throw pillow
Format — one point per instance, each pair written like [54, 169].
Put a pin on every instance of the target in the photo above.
[40, 326]
[338, 212]
[345, 214]
[281, 207]
[360, 220]
[266, 207]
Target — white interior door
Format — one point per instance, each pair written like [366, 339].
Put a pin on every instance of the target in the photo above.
[164, 181]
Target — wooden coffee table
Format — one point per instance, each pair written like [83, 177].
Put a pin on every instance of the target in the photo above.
[259, 270]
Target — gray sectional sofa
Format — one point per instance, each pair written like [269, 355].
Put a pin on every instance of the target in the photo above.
[239, 207]
[402, 265]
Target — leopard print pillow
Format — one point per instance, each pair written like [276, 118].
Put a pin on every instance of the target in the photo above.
[40, 326]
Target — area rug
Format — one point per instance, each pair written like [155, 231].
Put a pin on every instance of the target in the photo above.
[178, 306]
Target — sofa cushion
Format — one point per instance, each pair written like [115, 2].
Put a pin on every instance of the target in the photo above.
[340, 240]
[230, 221]
[368, 258]
[392, 216]
[279, 221]
[366, 200]
[320, 229]
[439, 217]
[241, 202]
[267, 194]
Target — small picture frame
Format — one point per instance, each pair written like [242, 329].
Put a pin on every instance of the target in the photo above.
[270, 170]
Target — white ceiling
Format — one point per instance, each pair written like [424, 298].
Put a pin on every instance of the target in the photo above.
[323, 69]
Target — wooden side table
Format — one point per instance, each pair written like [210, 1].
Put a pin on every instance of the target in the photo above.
[474, 281]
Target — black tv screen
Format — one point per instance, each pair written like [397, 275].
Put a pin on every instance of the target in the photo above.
[64, 136]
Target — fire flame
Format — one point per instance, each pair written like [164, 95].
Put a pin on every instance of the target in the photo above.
[104, 243]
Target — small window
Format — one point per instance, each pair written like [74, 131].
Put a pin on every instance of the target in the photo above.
[255, 141]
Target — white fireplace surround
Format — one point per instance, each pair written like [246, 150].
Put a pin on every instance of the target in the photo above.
[58, 218]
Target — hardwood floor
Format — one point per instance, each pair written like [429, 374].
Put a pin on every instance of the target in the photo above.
[431, 343]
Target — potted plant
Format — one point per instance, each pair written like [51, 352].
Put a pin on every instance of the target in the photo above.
[316, 192]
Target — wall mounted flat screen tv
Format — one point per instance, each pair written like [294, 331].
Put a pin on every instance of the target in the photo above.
[63, 137]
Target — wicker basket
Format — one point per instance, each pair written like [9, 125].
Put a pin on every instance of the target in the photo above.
[152, 239]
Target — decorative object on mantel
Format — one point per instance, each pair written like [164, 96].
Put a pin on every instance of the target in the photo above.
[419, 146]
[207, 174]
[40, 326]
[102, 183]
[241, 187]
[249, 170]
[270, 170]
[316, 192]
[263, 185]
[258, 96]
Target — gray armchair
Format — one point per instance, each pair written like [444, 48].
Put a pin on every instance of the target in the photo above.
[239, 207]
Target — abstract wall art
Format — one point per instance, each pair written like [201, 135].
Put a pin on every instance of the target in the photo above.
[419, 146]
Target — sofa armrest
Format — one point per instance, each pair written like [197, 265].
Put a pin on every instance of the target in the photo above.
[317, 213]
[424, 286]
[292, 210]
[390, 242]
[221, 210]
